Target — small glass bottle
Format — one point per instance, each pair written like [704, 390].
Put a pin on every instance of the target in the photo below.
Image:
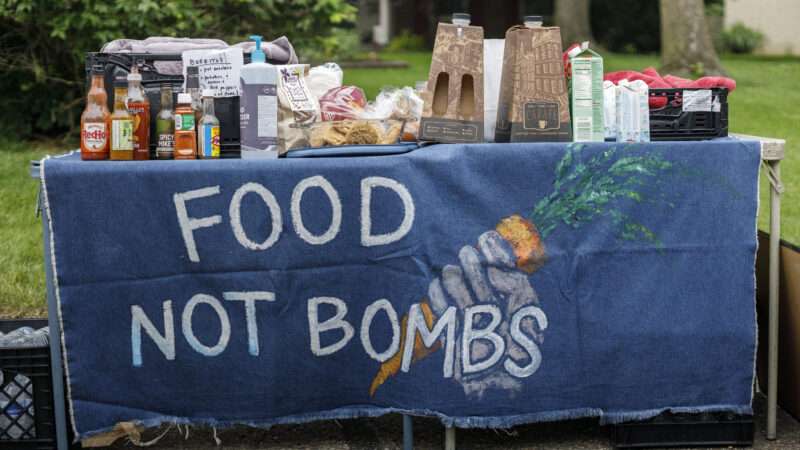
[139, 107]
[121, 123]
[165, 125]
[95, 119]
[208, 128]
[185, 136]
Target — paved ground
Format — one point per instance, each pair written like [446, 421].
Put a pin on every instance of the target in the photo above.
[385, 433]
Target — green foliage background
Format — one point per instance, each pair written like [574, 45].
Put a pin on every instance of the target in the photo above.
[43, 43]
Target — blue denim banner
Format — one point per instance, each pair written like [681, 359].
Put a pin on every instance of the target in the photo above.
[487, 285]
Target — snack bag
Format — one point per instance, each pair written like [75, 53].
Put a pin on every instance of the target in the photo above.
[297, 107]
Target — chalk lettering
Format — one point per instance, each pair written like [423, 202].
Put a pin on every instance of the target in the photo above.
[366, 321]
[165, 342]
[236, 216]
[224, 321]
[189, 224]
[416, 322]
[297, 214]
[249, 299]
[367, 238]
[336, 322]
[525, 342]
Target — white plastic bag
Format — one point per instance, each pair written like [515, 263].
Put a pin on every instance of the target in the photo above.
[633, 112]
[322, 79]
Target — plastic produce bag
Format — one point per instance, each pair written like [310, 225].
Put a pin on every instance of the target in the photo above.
[492, 69]
[342, 103]
[609, 110]
[322, 79]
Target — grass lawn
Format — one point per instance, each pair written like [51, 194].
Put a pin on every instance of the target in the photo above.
[765, 103]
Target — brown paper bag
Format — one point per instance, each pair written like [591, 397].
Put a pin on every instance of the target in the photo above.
[533, 104]
[453, 110]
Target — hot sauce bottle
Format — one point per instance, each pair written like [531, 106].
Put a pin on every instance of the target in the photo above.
[185, 136]
[121, 123]
[165, 125]
[139, 107]
[95, 119]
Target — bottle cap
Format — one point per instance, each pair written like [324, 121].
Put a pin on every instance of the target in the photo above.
[461, 18]
[192, 78]
[257, 54]
[184, 97]
[98, 69]
[120, 81]
[532, 19]
[134, 75]
[208, 92]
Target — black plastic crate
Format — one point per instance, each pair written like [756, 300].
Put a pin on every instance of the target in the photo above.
[671, 123]
[119, 64]
[27, 425]
[686, 430]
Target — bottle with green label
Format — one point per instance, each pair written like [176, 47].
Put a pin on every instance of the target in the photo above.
[185, 136]
[121, 123]
[208, 128]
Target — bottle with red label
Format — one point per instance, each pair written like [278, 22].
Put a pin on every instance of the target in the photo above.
[139, 107]
[95, 119]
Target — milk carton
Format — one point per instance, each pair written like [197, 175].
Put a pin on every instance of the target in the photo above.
[633, 111]
[453, 110]
[533, 104]
[586, 94]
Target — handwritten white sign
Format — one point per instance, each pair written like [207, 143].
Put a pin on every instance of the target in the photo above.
[218, 69]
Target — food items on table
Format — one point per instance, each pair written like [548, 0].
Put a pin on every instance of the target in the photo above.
[185, 136]
[297, 107]
[139, 107]
[95, 119]
[633, 112]
[208, 128]
[121, 123]
[258, 102]
[654, 80]
[609, 110]
[533, 104]
[342, 103]
[453, 110]
[322, 79]
[165, 125]
[585, 75]
[355, 132]
[193, 88]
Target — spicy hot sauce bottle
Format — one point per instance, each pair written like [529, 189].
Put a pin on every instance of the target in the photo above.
[139, 107]
[95, 119]
[121, 124]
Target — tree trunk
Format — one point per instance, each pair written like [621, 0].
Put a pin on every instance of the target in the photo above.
[686, 46]
[573, 18]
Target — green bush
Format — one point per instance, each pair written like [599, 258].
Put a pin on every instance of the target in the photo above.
[406, 42]
[741, 39]
[343, 44]
[44, 42]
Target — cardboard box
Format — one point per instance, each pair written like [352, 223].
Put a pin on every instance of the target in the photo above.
[586, 94]
[788, 325]
[453, 110]
[533, 104]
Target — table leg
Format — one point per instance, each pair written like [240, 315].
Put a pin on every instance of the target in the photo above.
[774, 273]
[449, 438]
[57, 372]
[408, 433]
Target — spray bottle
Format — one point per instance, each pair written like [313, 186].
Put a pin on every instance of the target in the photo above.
[258, 103]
